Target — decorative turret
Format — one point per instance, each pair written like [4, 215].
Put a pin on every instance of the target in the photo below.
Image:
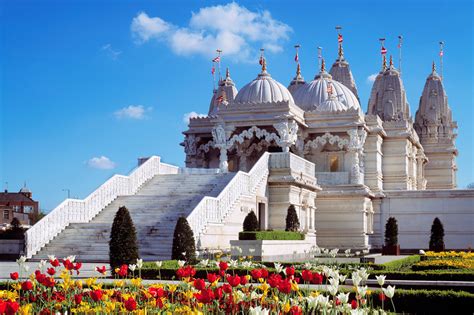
[436, 129]
[388, 98]
[225, 93]
[340, 69]
[297, 82]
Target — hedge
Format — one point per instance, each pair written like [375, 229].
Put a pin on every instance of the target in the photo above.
[434, 275]
[401, 263]
[271, 235]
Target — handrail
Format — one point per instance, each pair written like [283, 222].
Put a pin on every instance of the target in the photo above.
[215, 209]
[79, 211]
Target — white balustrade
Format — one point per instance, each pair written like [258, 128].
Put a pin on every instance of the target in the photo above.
[297, 164]
[215, 209]
[81, 211]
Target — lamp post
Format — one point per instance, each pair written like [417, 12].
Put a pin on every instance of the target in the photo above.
[68, 192]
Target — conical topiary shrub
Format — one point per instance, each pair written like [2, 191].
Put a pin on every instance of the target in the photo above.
[184, 246]
[391, 238]
[292, 221]
[123, 248]
[437, 236]
[251, 222]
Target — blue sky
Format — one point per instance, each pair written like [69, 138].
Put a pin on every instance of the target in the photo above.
[89, 86]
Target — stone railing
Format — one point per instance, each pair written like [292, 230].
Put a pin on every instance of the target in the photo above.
[81, 211]
[215, 209]
[301, 169]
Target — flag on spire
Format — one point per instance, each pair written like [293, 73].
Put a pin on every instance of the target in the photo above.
[217, 59]
[339, 38]
[383, 50]
[296, 57]
[213, 70]
[441, 53]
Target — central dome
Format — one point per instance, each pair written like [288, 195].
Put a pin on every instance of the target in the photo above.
[264, 89]
[314, 94]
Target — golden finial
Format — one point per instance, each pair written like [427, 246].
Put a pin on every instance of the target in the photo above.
[384, 63]
[391, 62]
[323, 65]
[341, 51]
[227, 73]
[433, 67]
[264, 65]
[298, 70]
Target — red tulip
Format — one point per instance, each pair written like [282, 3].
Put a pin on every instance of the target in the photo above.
[123, 271]
[54, 263]
[382, 297]
[27, 285]
[256, 273]
[3, 306]
[316, 278]
[13, 276]
[205, 296]
[264, 273]
[307, 275]
[233, 280]
[78, 298]
[212, 277]
[285, 286]
[68, 264]
[185, 272]
[156, 292]
[51, 271]
[130, 304]
[101, 270]
[218, 293]
[296, 310]
[354, 304]
[274, 280]
[199, 284]
[11, 307]
[96, 295]
[290, 271]
[223, 265]
[243, 280]
[227, 288]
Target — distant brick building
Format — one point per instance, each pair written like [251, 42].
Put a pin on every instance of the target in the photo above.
[18, 205]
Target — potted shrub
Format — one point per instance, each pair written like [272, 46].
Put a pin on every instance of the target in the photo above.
[437, 236]
[184, 245]
[123, 248]
[292, 221]
[391, 246]
[251, 222]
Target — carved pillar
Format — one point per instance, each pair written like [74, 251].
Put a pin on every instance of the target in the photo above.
[220, 142]
[355, 148]
[287, 130]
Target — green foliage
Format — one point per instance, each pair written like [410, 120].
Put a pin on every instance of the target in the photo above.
[123, 248]
[391, 232]
[251, 222]
[401, 263]
[184, 245]
[14, 232]
[437, 236]
[271, 235]
[433, 275]
[292, 221]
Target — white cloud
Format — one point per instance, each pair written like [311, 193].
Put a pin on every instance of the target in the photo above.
[102, 163]
[133, 112]
[371, 78]
[236, 30]
[188, 116]
[112, 53]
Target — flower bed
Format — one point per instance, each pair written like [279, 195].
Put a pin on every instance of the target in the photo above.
[435, 264]
[52, 289]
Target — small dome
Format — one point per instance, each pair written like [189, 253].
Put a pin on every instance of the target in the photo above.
[264, 89]
[331, 105]
[297, 82]
[224, 94]
[25, 190]
[315, 93]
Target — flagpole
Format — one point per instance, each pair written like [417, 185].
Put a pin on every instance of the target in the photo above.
[441, 53]
[382, 48]
[213, 71]
[400, 41]
[320, 56]
[219, 63]
[297, 58]
[339, 41]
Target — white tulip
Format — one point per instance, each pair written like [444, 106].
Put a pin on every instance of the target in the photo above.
[422, 252]
[389, 291]
[158, 264]
[342, 278]
[333, 288]
[21, 260]
[41, 264]
[181, 263]
[51, 257]
[356, 278]
[323, 301]
[204, 262]
[139, 263]
[380, 280]
[343, 297]
[357, 253]
[278, 267]
[347, 252]
[132, 267]
[362, 290]
[258, 311]
[233, 263]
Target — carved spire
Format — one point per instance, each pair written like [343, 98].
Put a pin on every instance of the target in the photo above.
[391, 62]
[340, 51]
[433, 68]
[227, 73]
[323, 65]
[264, 65]
[384, 63]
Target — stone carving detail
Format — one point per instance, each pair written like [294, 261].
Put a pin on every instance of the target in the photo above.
[288, 131]
[355, 148]
[322, 140]
[220, 142]
[190, 144]
[249, 133]
[205, 147]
